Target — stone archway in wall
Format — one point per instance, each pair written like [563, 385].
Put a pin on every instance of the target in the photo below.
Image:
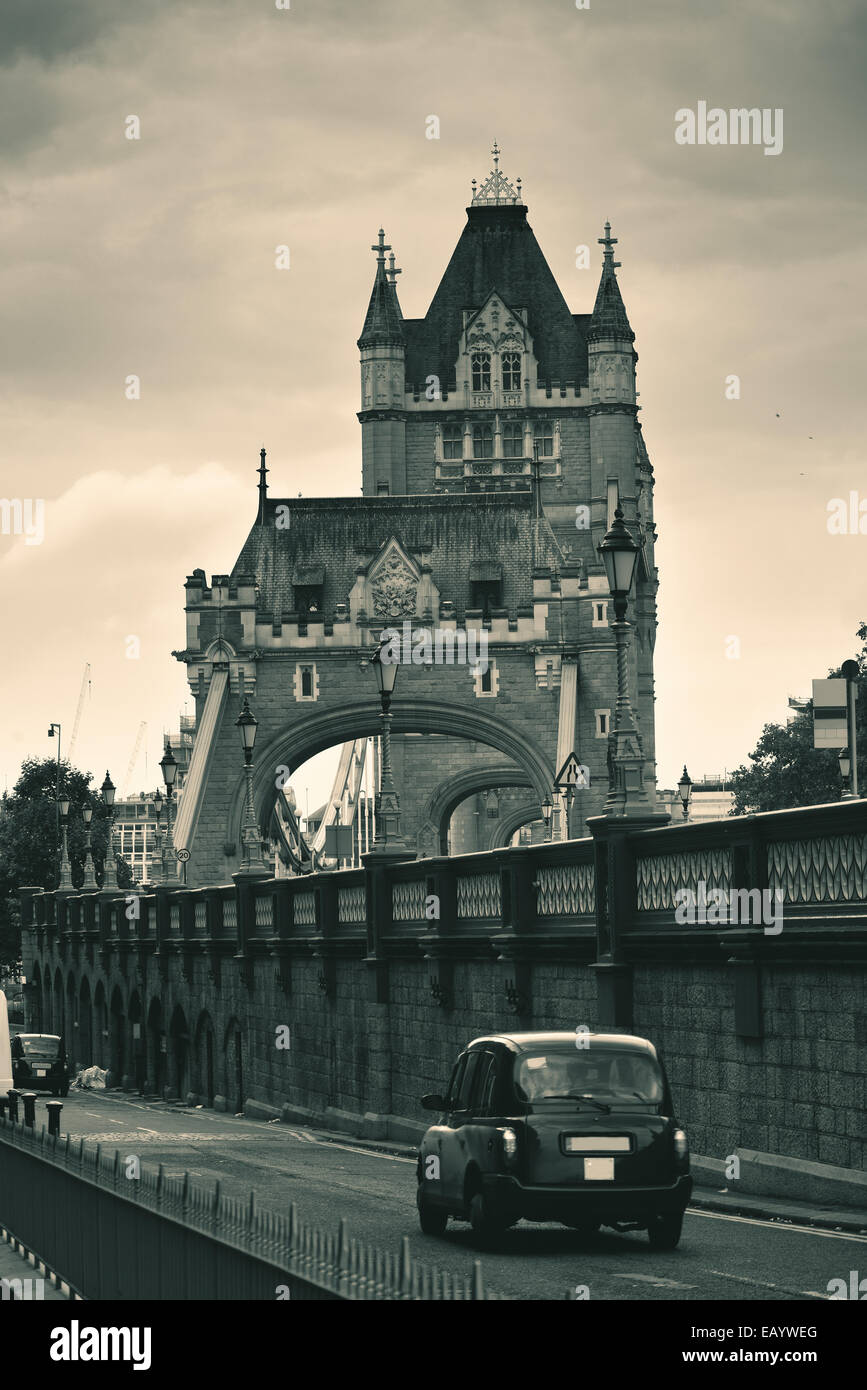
[234, 1079]
[57, 1013]
[327, 728]
[100, 1026]
[433, 837]
[178, 1078]
[39, 1016]
[70, 1015]
[116, 1040]
[137, 1044]
[156, 1056]
[506, 826]
[205, 1055]
[85, 1024]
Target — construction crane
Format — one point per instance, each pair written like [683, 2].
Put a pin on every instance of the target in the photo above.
[142, 729]
[85, 684]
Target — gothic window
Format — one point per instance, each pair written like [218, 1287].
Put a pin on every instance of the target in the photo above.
[513, 440]
[306, 682]
[481, 371]
[600, 614]
[511, 362]
[486, 594]
[453, 442]
[382, 489]
[483, 441]
[544, 437]
[603, 722]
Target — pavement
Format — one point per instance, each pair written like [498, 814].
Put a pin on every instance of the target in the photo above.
[734, 1247]
[35, 1282]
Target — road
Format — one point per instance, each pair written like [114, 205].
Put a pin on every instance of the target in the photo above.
[720, 1256]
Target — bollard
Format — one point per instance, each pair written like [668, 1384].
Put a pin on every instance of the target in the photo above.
[28, 1100]
[13, 1106]
[54, 1108]
[3, 1104]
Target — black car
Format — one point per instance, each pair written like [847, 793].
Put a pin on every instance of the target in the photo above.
[571, 1127]
[39, 1063]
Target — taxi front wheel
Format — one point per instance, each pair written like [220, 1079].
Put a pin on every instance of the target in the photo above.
[664, 1231]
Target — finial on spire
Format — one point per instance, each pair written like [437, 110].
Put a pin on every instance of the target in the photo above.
[263, 486]
[497, 189]
[609, 242]
[380, 248]
[393, 271]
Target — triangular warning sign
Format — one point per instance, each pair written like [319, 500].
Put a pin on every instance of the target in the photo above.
[571, 774]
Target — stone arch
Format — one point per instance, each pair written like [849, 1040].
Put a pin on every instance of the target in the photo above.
[453, 790]
[117, 1046]
[39, 1016]
[233, 1065]
[100, 1026]
[58, 1015]
[71, 1021]
[136, 1078]
[85, 1024]
[204, 1059]
[505, 827]
[156, 1057]
[179, 1053]
[301, 740]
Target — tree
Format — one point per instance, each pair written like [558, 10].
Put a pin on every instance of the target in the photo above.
[29, 845]
[786, 770]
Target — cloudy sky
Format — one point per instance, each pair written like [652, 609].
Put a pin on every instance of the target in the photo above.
[305, 126]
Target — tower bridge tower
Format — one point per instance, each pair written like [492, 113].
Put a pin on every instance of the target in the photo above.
[499, 435]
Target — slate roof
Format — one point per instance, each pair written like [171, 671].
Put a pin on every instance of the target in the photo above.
[497, 251]
[450, 533]
[609, 315]
[383, 323]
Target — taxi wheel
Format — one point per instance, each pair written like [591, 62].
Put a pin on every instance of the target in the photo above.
[486, 1223]
[664, 1231]
[433, 1222]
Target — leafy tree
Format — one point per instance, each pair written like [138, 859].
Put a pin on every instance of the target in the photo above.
[30, 845]
[786, 770]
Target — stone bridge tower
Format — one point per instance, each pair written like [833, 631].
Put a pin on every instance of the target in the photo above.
[499, 434]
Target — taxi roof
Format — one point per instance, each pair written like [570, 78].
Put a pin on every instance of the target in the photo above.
[525, 1042]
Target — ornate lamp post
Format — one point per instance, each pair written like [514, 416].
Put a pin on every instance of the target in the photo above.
[170, 772]
[626, 792]
[109, 871]
[845, 762]
[547, 808]
[89, 884]
[389, 843]
[65, 885]
[684, 791]
[156, 858]
[52, 730]
[247, 724]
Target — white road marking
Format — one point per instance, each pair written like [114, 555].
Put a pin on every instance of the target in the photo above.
[658, 1282]
[777, 1226]
[761, 1284]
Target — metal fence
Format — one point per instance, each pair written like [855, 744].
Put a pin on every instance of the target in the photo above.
[113, 1236]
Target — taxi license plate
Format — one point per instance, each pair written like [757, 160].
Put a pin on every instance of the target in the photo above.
[41, 1071]
[599, 1170]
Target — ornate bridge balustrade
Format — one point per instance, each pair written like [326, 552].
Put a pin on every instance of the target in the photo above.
[383, 971]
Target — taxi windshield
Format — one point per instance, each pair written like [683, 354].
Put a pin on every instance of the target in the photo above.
[40, 1046]
[597, 1072]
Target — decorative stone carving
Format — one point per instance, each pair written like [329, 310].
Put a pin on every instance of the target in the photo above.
[394, 589]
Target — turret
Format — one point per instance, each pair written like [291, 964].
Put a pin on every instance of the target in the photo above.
[611, 361]
[383, 372]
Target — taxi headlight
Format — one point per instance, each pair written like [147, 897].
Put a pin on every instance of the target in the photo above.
[681, 1146]
[509, 1146]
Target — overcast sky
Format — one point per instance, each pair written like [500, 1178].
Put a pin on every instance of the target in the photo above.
[306, 127]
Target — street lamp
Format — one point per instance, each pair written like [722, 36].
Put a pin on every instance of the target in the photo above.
[547, 808]
[170, 772]
[52, 729]
[684, 791]
[845, 762]
[253, 863]
[65, 885]
[388, 842]
[156, 858]
[626, 791]
[109, 870]
[89, 884]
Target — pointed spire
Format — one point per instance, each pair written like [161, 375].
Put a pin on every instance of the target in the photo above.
[263, 486]
[383, 323]
[609, 315]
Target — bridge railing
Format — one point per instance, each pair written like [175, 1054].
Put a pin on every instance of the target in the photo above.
[113, 1230]
[612, 900]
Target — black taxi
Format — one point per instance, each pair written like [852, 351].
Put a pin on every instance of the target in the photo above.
[571, 1127]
